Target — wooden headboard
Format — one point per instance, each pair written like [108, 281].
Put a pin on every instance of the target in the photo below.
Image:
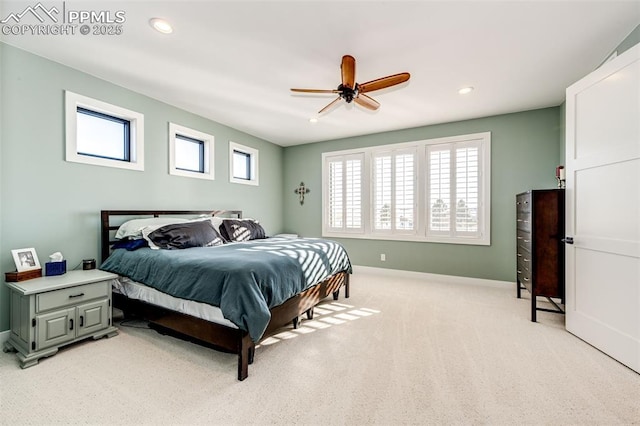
[107, 225]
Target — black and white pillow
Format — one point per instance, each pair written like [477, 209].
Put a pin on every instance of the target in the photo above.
[235, 230]
[184, 235]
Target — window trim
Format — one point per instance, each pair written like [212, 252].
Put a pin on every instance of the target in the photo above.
[420, 233]
[254, 164]
[208, 156]
[73, 101]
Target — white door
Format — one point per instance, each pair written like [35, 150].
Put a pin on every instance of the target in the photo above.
[603, 208]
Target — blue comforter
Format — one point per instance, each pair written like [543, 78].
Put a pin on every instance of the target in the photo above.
[243, 279]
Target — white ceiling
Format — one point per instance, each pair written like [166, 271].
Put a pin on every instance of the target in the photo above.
[234, 62]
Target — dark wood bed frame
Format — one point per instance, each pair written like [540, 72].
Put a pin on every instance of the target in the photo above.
[219, 336]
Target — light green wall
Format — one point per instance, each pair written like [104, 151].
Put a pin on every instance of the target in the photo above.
[631, 40]
[524, 154]
[54, 205]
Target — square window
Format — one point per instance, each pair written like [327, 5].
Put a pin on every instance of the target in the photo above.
[243, 164]
[191, 153]
[102, 134]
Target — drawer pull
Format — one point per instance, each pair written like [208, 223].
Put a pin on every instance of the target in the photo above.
[526, 279]
[527, 241]
[70, 324]
[71, 296]
[526, 260]
[81, 321]
[519, 255]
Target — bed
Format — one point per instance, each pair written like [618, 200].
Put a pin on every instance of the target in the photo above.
[228, 296]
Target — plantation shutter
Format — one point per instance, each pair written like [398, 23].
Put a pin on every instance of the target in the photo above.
[467, 189]
[344, 193]
[454, 189]
[394, 188]
[353, 193]
[439, 210]
[382, 191]
[336, 189]
[435, 190]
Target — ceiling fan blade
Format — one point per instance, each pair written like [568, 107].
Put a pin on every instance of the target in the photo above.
[366, 101]
[315, 91]
[348, 69]
[383, 82]
[336, 100]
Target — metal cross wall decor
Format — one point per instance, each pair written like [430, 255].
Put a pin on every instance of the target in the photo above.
[301, 190]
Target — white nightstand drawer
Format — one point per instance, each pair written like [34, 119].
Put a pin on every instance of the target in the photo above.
[71, 296]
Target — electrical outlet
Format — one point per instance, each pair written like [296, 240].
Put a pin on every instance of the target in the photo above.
[383, 257]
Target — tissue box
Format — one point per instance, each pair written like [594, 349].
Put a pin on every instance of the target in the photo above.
[55, 268]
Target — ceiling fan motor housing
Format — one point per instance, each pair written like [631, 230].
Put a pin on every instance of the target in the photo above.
[348, 93]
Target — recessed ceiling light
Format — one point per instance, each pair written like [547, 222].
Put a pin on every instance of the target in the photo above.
[313, 120]
[161, 25]
[465, 90]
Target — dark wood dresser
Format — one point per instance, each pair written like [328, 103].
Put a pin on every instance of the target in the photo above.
[539, 246]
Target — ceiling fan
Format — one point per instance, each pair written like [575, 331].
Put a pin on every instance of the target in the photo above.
[350, 91]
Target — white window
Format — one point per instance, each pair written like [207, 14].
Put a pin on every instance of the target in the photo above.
[394, 188]
[436, 190]
[191, 153]
[102, 134]
[243, 164]
[454, 190]
[342, 199]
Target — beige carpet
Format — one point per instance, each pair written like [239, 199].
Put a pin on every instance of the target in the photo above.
[399, 351]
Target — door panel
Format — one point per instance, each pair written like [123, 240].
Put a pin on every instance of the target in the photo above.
[601, 288]
[607, 200]
[93, 317]
[599, 127]
[55, 328]
[603, 208]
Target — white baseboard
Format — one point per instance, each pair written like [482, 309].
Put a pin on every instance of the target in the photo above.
[4, 336]
[448, 279]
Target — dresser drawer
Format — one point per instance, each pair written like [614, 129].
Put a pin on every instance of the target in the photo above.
[523, 221]
[523, 241]
[523, 202]
[524, 264]
[524, 277]
[71, 296]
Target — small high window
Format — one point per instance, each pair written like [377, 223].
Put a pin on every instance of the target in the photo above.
[102, 134]
[243, 164]
[191, 153]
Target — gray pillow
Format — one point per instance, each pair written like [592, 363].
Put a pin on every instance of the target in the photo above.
[185, 235]
[241, 230]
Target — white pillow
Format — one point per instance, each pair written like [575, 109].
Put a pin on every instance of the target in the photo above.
[132, 229]
[216, 222]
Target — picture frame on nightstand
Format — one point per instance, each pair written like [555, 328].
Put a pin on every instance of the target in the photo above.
[26, 259]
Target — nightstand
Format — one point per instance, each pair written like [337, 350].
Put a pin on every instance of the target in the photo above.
[50, 312]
